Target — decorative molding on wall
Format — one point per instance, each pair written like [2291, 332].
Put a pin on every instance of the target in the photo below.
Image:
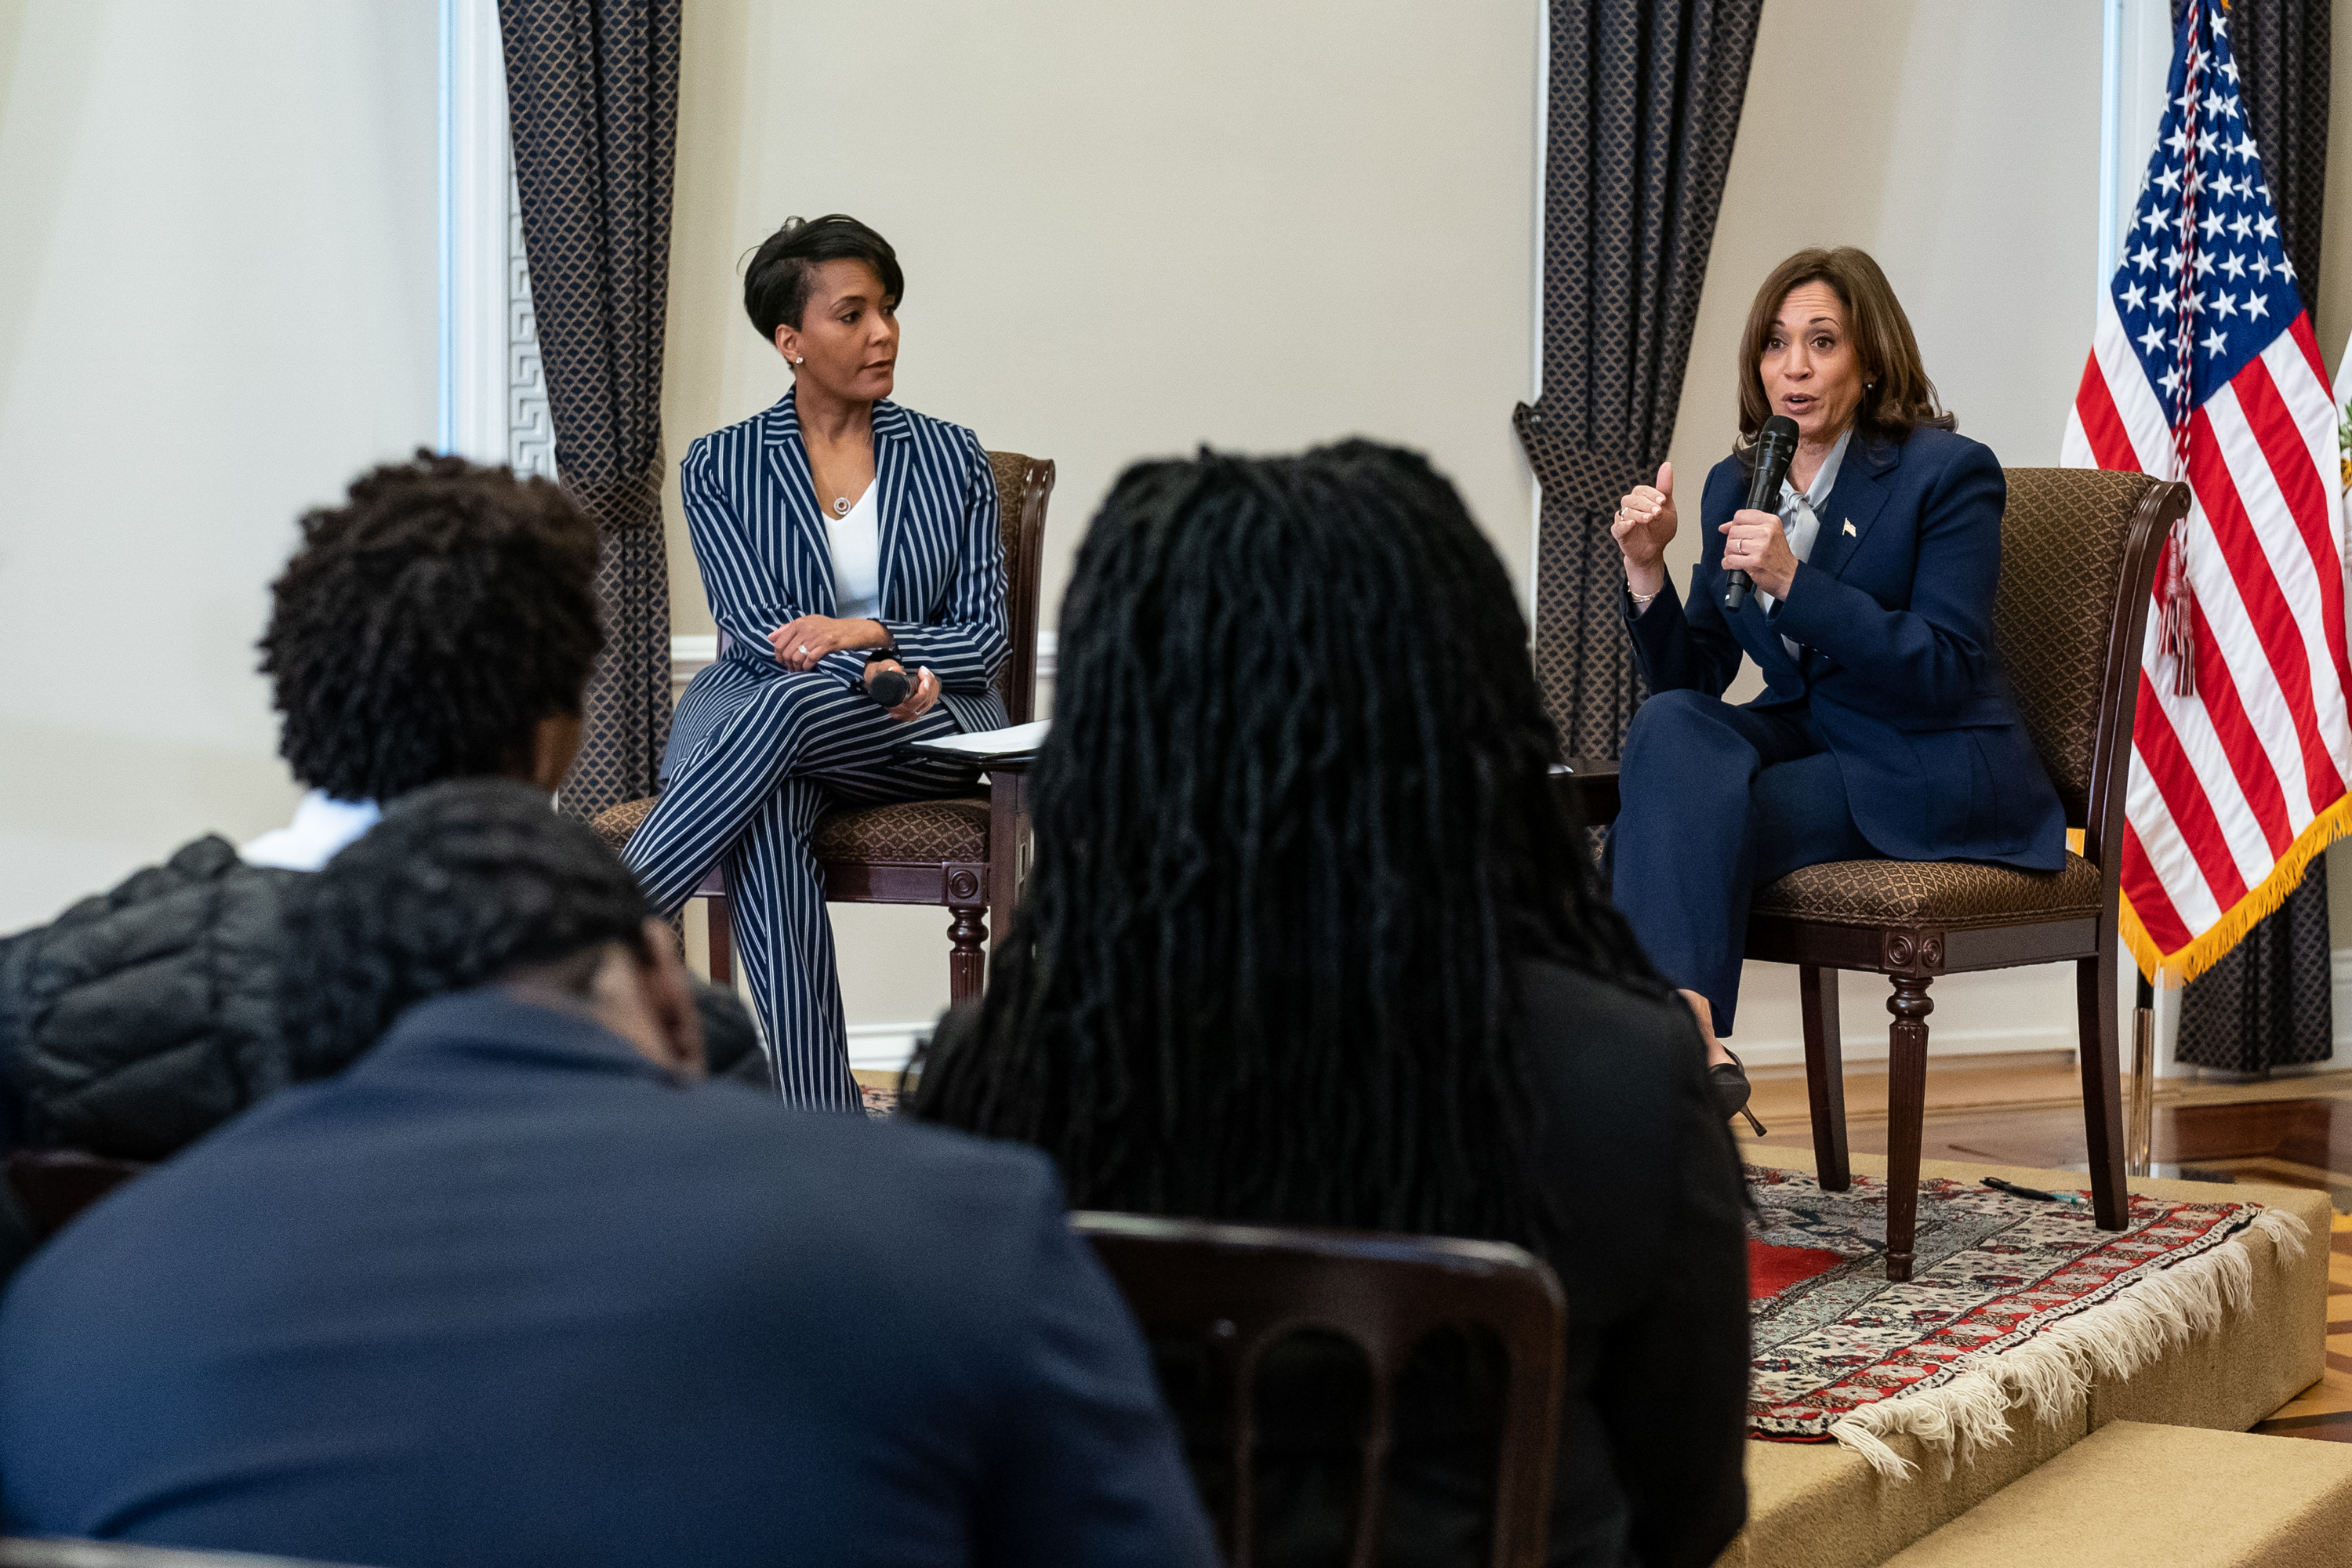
[495, 389]
[530, 432]
[476, 197]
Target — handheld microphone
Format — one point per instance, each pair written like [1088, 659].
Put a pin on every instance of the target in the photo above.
[889, 687]
[1775, 445]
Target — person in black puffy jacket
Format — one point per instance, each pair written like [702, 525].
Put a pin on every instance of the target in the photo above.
[441, 624]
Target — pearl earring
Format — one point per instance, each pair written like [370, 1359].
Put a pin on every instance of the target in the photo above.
[796, 359]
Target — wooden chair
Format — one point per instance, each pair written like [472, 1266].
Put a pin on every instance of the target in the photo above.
[52, 1186]
[969, 852]
[1237, 1289]
[2079, 552]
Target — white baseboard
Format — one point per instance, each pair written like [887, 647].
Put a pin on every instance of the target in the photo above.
[1941, 1043]
[885, 1048]
[1778, 1048]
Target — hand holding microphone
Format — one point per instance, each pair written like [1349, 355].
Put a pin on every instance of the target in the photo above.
[1776, 443]
[888, 682]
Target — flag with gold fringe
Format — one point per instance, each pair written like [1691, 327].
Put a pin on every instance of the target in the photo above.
[2204, 367]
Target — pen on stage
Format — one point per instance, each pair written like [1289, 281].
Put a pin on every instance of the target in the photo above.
[2014, 1190]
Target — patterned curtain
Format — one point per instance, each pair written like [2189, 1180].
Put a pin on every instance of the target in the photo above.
[1645, 103]
[2268, 1002]
[592, 90]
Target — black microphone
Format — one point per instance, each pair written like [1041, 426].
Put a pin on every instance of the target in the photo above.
[889, 687]
[1775, 445]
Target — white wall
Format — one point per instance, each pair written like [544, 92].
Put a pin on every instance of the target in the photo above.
[1126, 229]
[217, 303]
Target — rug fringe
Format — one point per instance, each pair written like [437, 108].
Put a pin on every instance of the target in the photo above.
[2287, 1233]
[2053, 1373]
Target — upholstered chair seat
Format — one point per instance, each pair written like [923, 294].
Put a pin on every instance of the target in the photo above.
[1952, 894]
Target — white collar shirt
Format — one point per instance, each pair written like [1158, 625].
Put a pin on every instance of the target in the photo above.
[1800, 518]
[322, 826]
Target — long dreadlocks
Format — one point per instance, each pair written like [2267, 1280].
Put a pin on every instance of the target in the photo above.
[1294, 836]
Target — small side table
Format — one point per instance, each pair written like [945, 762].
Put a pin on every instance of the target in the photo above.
[1589, 785]
[1008, 823]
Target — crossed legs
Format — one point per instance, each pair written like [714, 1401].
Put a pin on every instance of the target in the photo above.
[779, 750]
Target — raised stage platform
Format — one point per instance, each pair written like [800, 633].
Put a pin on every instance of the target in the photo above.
[1818, 1505]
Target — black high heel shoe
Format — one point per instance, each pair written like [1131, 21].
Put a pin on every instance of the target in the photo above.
[1729, 1081]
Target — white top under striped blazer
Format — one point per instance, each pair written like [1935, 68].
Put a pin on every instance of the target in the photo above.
[752, 512]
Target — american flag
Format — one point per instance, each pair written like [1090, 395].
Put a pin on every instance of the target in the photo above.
[2204, 367]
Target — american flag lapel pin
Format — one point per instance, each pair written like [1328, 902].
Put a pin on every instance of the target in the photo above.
[1849, 529]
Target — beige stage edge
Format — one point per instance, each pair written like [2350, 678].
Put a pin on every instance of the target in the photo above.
[2131, 1495]
[1815, 1505]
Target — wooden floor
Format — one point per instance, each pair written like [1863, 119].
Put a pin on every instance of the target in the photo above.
[2027, 1111]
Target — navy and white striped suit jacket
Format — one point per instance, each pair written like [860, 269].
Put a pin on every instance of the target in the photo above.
[766, 558]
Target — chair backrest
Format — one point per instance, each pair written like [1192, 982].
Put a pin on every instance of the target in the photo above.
[2078, 554]
[24, 1553]
[1235, 1290]
[1023, 487]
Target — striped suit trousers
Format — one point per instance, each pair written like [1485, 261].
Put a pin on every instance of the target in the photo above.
[773, 750]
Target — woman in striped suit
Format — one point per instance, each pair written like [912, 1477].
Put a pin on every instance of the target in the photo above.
[839, 536]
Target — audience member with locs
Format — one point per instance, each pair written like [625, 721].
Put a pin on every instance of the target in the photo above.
[1307, 941]
[1886, 728]
[439, 623]
[841, 537]
[515, 1286]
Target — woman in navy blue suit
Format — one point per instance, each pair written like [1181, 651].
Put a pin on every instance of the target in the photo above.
[1886, 728]
[840, 536]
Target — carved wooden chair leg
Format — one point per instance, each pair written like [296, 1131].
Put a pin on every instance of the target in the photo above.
[968, 904]
[966, 930]
[1817, 988]
[1906, 1105]
[722, 941]
[2103, 1116]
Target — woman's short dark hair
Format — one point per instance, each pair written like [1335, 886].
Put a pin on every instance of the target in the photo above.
[425, 628]
[1295, 835]
[1899, 397]
[460, 884]
[776, 285]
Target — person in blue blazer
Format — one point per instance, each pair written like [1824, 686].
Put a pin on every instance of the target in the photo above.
[1886, 728]
[839, 536]
[512, 1282]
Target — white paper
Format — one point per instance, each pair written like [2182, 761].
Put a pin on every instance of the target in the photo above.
[994, 743]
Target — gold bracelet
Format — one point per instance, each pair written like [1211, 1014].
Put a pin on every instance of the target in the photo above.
[1641, 601]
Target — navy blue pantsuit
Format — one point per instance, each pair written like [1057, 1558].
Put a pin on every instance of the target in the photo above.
[1892, 733]
[1753, 797]
[758, 752]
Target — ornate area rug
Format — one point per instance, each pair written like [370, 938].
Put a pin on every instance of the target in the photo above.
[2009, 1298]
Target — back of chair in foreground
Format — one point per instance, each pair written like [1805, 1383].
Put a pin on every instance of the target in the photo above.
[1238, 1288]
[24, 1553]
